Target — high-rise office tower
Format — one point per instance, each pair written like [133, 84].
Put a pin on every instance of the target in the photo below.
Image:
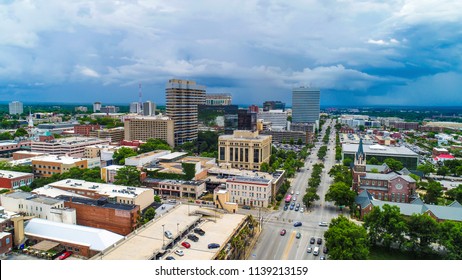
[134, 107]
[182, 98]
[149, 108]
[144, 128]
[16, 107]
[305, 105]
[96, 107]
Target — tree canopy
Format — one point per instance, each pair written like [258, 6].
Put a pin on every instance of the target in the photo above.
[128, 176]
[121, 154]
[341, 194]
[346, 240]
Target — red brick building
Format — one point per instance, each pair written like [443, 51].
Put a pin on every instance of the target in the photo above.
[84, 129]
[389, 187]
[14, 180]
[115, 217]
[6, 242]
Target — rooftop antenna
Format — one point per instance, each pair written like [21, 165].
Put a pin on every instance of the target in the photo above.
[140, 95]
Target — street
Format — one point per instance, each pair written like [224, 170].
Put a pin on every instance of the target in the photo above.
[271, 245]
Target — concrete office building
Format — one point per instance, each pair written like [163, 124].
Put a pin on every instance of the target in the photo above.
[144, 128]
[46, 166]
[15, 180]
[149, 108]
[182, 98]
[218, 99]
[135, 107]
[16, 108]
[253, 191]
[305, 105]
[278, 118]
[43, 207]
[72, 146]
[246, 120]
[114, 135]
[244, 149]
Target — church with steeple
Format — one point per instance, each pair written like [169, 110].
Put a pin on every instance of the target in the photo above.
[386, 185]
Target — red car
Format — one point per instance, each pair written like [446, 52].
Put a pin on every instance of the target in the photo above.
[64, 255]
[186, 245]
[283, 232]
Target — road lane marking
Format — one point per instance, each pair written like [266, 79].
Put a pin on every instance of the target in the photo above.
[288, 246]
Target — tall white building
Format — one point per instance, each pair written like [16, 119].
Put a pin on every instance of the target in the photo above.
[96, 107]
[149, 108]
[16, 107]
[305, 105]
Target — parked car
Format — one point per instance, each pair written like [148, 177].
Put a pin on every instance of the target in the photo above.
[64, 255]
[213, 245]
[168, 234]
[179, 253]
[286, 207]
[302, 210]
[297, 224]
[309, 250]
[291, 207]
[199, 231]
[170, 258]
[325, 250]
[193, 237]
[186, 244]
[247, 207]
[323, 224]
[299, 235]
[312, 240]
[319, 241]
[283, 232]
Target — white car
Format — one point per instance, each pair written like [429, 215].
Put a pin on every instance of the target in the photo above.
[302, 209]
[297, 192]
[179, 253]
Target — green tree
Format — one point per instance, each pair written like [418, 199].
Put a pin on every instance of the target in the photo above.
[423, 230]
[451, 238]
[347, 162]
[374, 170]
[385, 226]
[157, 199]
[373, 161]
[264, 167]
[443, 171]
[341, 194]
[346, 240]
[5, 136]
[394, 164]
[309, 197]
[20, 132]
[361, 127]
[121, 154]
[434, 190]
[455, 194]
[153, 145]
[150, 213]
[128, 176]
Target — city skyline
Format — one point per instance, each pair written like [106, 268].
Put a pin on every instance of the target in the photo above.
[357, 53]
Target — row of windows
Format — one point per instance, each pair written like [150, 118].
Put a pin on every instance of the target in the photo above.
[394, 197]
[378, 183]
[248, 194]
[246, 188]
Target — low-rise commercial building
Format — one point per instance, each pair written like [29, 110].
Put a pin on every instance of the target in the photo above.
[39, 206]
[253, 191]
[114, 135]
[176, 188]
[108, 173]
[80, 240]
[15, 180]
[46, 166]
[99, 213]
[143, 197]
[142, 159]
[72, 146]
[85, 129]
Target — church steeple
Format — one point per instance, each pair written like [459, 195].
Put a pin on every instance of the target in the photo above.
[360, 157]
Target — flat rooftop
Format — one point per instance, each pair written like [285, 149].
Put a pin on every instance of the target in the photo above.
[98, 203]
[33, 197]
[158, 153]
[57, 159]
[379, 150]
[103, 189]
[13, 174]
[113, 167]
[145, 242]
[172, 156]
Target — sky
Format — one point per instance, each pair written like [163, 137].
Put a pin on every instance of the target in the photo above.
[358, 52]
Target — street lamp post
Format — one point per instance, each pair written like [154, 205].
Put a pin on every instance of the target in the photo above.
[177, 231]
[163, 236]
